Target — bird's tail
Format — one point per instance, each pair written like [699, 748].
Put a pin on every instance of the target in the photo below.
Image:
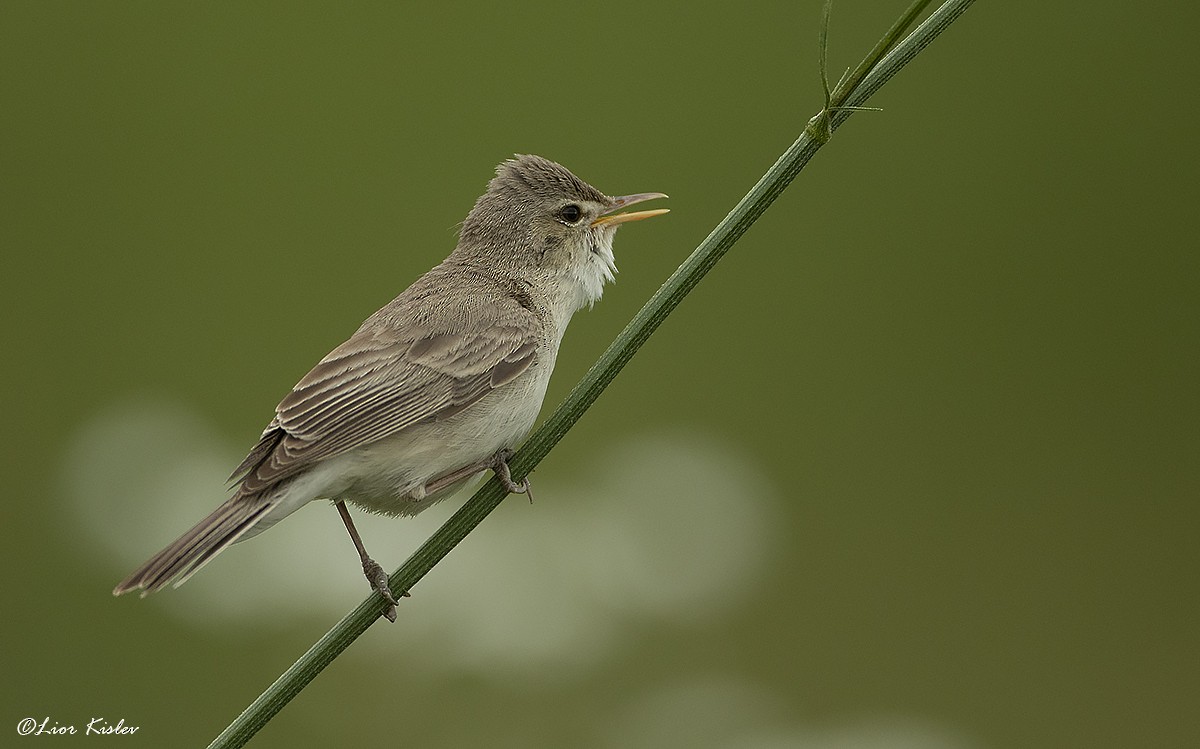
[187, 554]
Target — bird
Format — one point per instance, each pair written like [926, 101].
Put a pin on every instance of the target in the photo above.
[436, 387]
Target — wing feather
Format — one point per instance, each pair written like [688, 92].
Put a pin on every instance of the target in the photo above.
[384, 379]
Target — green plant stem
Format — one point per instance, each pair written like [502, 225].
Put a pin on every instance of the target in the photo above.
[884, 61]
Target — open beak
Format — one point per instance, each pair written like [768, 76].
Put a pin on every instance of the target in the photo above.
[612, 218]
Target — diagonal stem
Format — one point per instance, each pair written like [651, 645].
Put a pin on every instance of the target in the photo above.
[884, 61]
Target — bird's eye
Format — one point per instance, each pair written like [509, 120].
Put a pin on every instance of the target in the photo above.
[570, 213]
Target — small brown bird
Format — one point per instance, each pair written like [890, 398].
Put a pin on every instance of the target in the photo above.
[437, 386]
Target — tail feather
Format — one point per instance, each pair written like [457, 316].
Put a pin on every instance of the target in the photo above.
[200, 537]
[184, 556]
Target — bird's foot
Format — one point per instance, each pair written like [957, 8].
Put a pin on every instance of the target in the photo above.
[379, 581]
[500, 468]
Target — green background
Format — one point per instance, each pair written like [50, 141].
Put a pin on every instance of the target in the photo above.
[934, 417]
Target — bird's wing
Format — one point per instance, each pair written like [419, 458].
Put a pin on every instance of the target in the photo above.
[386, 378]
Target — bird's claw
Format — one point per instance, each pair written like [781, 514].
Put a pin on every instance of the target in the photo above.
[501, 469]
[379, 581]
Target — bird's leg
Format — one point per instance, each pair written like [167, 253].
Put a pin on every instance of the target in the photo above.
[498, 463]
[375, 574]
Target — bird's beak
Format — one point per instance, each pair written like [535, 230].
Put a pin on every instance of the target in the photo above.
[612, 218]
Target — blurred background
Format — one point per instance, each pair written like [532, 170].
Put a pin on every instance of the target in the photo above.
[914, 466]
